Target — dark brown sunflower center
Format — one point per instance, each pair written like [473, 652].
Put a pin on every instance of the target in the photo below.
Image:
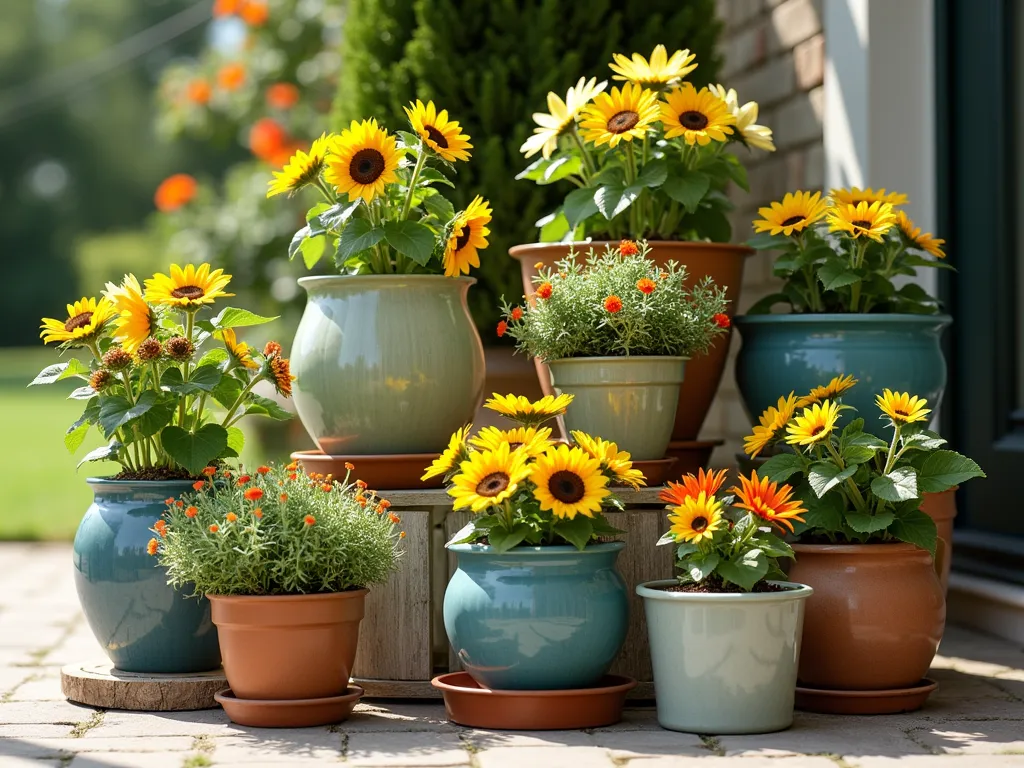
[623, 121]
[366, 166]
[699, 524]
[792, 220]
[862, 224]
[78, 321]
[461, 240]
[817, 430]
[693, 120]
[567, 486]
[436, 136]
[901, 412]
[188, 292]
[513, 446]
[493, 484]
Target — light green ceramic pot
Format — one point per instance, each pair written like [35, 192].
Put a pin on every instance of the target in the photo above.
[630, 401]
[724, 663]
[386, 364]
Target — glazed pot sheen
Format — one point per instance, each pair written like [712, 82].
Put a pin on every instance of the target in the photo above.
[722, 262]
[794, 353]
[288, 646]
[875, 619]
[143, 624]
[630, 401]
[386, 364]
[724, 663]
[536, 618]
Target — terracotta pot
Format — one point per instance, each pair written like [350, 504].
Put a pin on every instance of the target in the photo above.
[941, 507]
[720, 261]
[288, 646]
[876, 616]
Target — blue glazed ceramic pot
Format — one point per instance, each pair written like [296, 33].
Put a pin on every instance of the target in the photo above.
[536, 618]
[793, 353]
[142, 623]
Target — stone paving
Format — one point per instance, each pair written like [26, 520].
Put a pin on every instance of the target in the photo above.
[975, 720]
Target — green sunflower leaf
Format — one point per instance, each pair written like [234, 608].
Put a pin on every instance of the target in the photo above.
[688, 189]
[579, 206]
[578, 531]
[411, 239]
[194, 451]
[233, 317]
[781, 466]
[360, 235]
[915, 527]
[942, 470]
[613, 199]
[60, 371]
[823, 477]
[746, 571]
[899, 485]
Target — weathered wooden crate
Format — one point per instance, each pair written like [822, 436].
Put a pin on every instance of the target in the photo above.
[402, 642]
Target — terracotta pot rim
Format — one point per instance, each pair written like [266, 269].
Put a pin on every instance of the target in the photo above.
[877, 548]
[312, 280]
[524, 249]
[486, 549]
[853, 318]
[795, 591]
[321, 597]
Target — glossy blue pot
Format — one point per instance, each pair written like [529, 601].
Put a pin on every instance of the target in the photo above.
[536, 618]
[142, 623]
[794, 353]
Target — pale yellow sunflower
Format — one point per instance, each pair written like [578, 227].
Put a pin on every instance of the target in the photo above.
[134, 323]
[865, 219]
[835, 388]
[188, 288]
[901, 407]
[657, 73]
[86, 319]
[488, 478]
[362, 160]
[618, 464]
[452, 456]
[468, 236]
[796, 212]
[752, 134]
[561, 116]
[925, 241]
[815, 424]
[569, 482]
[853, 196]
[302, 169]
[700, 117]
[239, 351]
[520, 409]
[442, 135]
[620, 115]
[532, 441]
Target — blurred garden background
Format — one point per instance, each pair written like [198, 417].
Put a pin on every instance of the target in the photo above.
[137, 133]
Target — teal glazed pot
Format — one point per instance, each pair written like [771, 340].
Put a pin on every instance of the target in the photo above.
[536, 618]
[386, 364]
[794, 353]
[142, 623]
[724, 663]
[630, 401]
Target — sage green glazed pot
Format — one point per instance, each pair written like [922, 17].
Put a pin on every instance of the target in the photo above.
[630, 401]
[386, 364]
[724, 663]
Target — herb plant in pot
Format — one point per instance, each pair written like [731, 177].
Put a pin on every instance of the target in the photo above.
[285, 560]
[725, 635]
[878, 612]
[616, 331]
[647, 159]
[388, 358]
[840, 258]
[166, 388]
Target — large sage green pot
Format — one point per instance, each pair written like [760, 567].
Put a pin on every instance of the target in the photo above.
[724, 663]
[386, 364]
[630, 401]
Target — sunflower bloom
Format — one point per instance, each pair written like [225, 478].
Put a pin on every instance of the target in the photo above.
[696, 519]
[692, 486]
[468, 236]
[769, 501]
[362, 160]
[750, 133]
[835, 388]
[532, 441]
[239, 351]
[488, 478]
[763, 434]
[187, 288]
[854, 196]
[796, 212]
[443, 136]
[620, 115]
[815, 424]
[280, 368]
[451, 457]
[901, 407]
[925, 241]
[562, 116]
[302, 169]
[518, 408]
[700, 117]
[657, 73]
[865, 219]
[618, 464]
[569, 482]
[86, 319]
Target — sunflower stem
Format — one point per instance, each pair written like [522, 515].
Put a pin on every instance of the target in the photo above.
[588, 162]
[891, 457]
[241, 397]
[412, 181]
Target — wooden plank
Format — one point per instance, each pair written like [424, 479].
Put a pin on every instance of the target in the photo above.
[100, 685]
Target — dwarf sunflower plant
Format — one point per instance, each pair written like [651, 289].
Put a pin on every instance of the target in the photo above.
[523, 488]
[844, 252]
[164, 385]
[646, 157]
[618, 302]
[380, 210]
[276, 531]
[858, 488]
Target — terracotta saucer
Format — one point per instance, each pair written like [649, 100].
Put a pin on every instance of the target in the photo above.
[289, 713]
[834, 702]
[468, 703]
[691, 455]
[400, 471]
[657, 471]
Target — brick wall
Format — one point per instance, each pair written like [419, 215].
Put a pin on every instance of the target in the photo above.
[774, 53]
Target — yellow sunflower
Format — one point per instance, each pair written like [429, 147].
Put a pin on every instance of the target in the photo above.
[362, 160]
[469, 235]
[835, 388]
[620, 115]
[518, 408]
[86, 319]
[487, 478]
[452, 456]
[853, 196]
[188, 287]
[696, 519]
[240, 352]
[134, 323]
[569, 482]
[618, 464]
[657, 73]
[302, 169]
[442, 135]
[532, 441]
[796, 212]
[925, 241]
[814, 424]
[700, 117]
[901, 407]
[752, 134]
[561, 116]
[868, 219]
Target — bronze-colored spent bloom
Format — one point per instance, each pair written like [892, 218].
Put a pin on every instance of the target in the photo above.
[272, 349]
[101, 379]
[180, 348]
[117, 359]
[149, 350]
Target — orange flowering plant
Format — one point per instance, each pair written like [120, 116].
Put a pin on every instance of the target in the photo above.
[276, 531]
[726, 542]
[150, 387]
[616, 303]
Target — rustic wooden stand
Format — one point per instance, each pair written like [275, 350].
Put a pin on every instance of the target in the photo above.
[402, 642]
[100, 685]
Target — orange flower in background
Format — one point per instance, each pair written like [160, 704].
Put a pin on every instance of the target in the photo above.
[326, 487]
[628, 248]
[174, 192]
[191, 512]
[282, 96]
[309, 520]
[267, 139]
[283, 498]
[692, 486]
[722, 320]
[179, 503]
[160, 527]
[292, 467]
[231, 76]
[361, 484]
[253, 494]
[517, 314]
[152, 546]
[263, 470]
[231, 517]
[226, 7]
[198, 91]
[544, 291]
[214, 528]
[169, 500]
[350, 466]
[258, 513]
[613, 304]
[502, 327]
[769, 501]
[242, 480]
[646, 285]
[394, 518]
[199, 485]
[401, 535]
[384, 504]
[254, 13]
[210, 471]
[272, 349]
